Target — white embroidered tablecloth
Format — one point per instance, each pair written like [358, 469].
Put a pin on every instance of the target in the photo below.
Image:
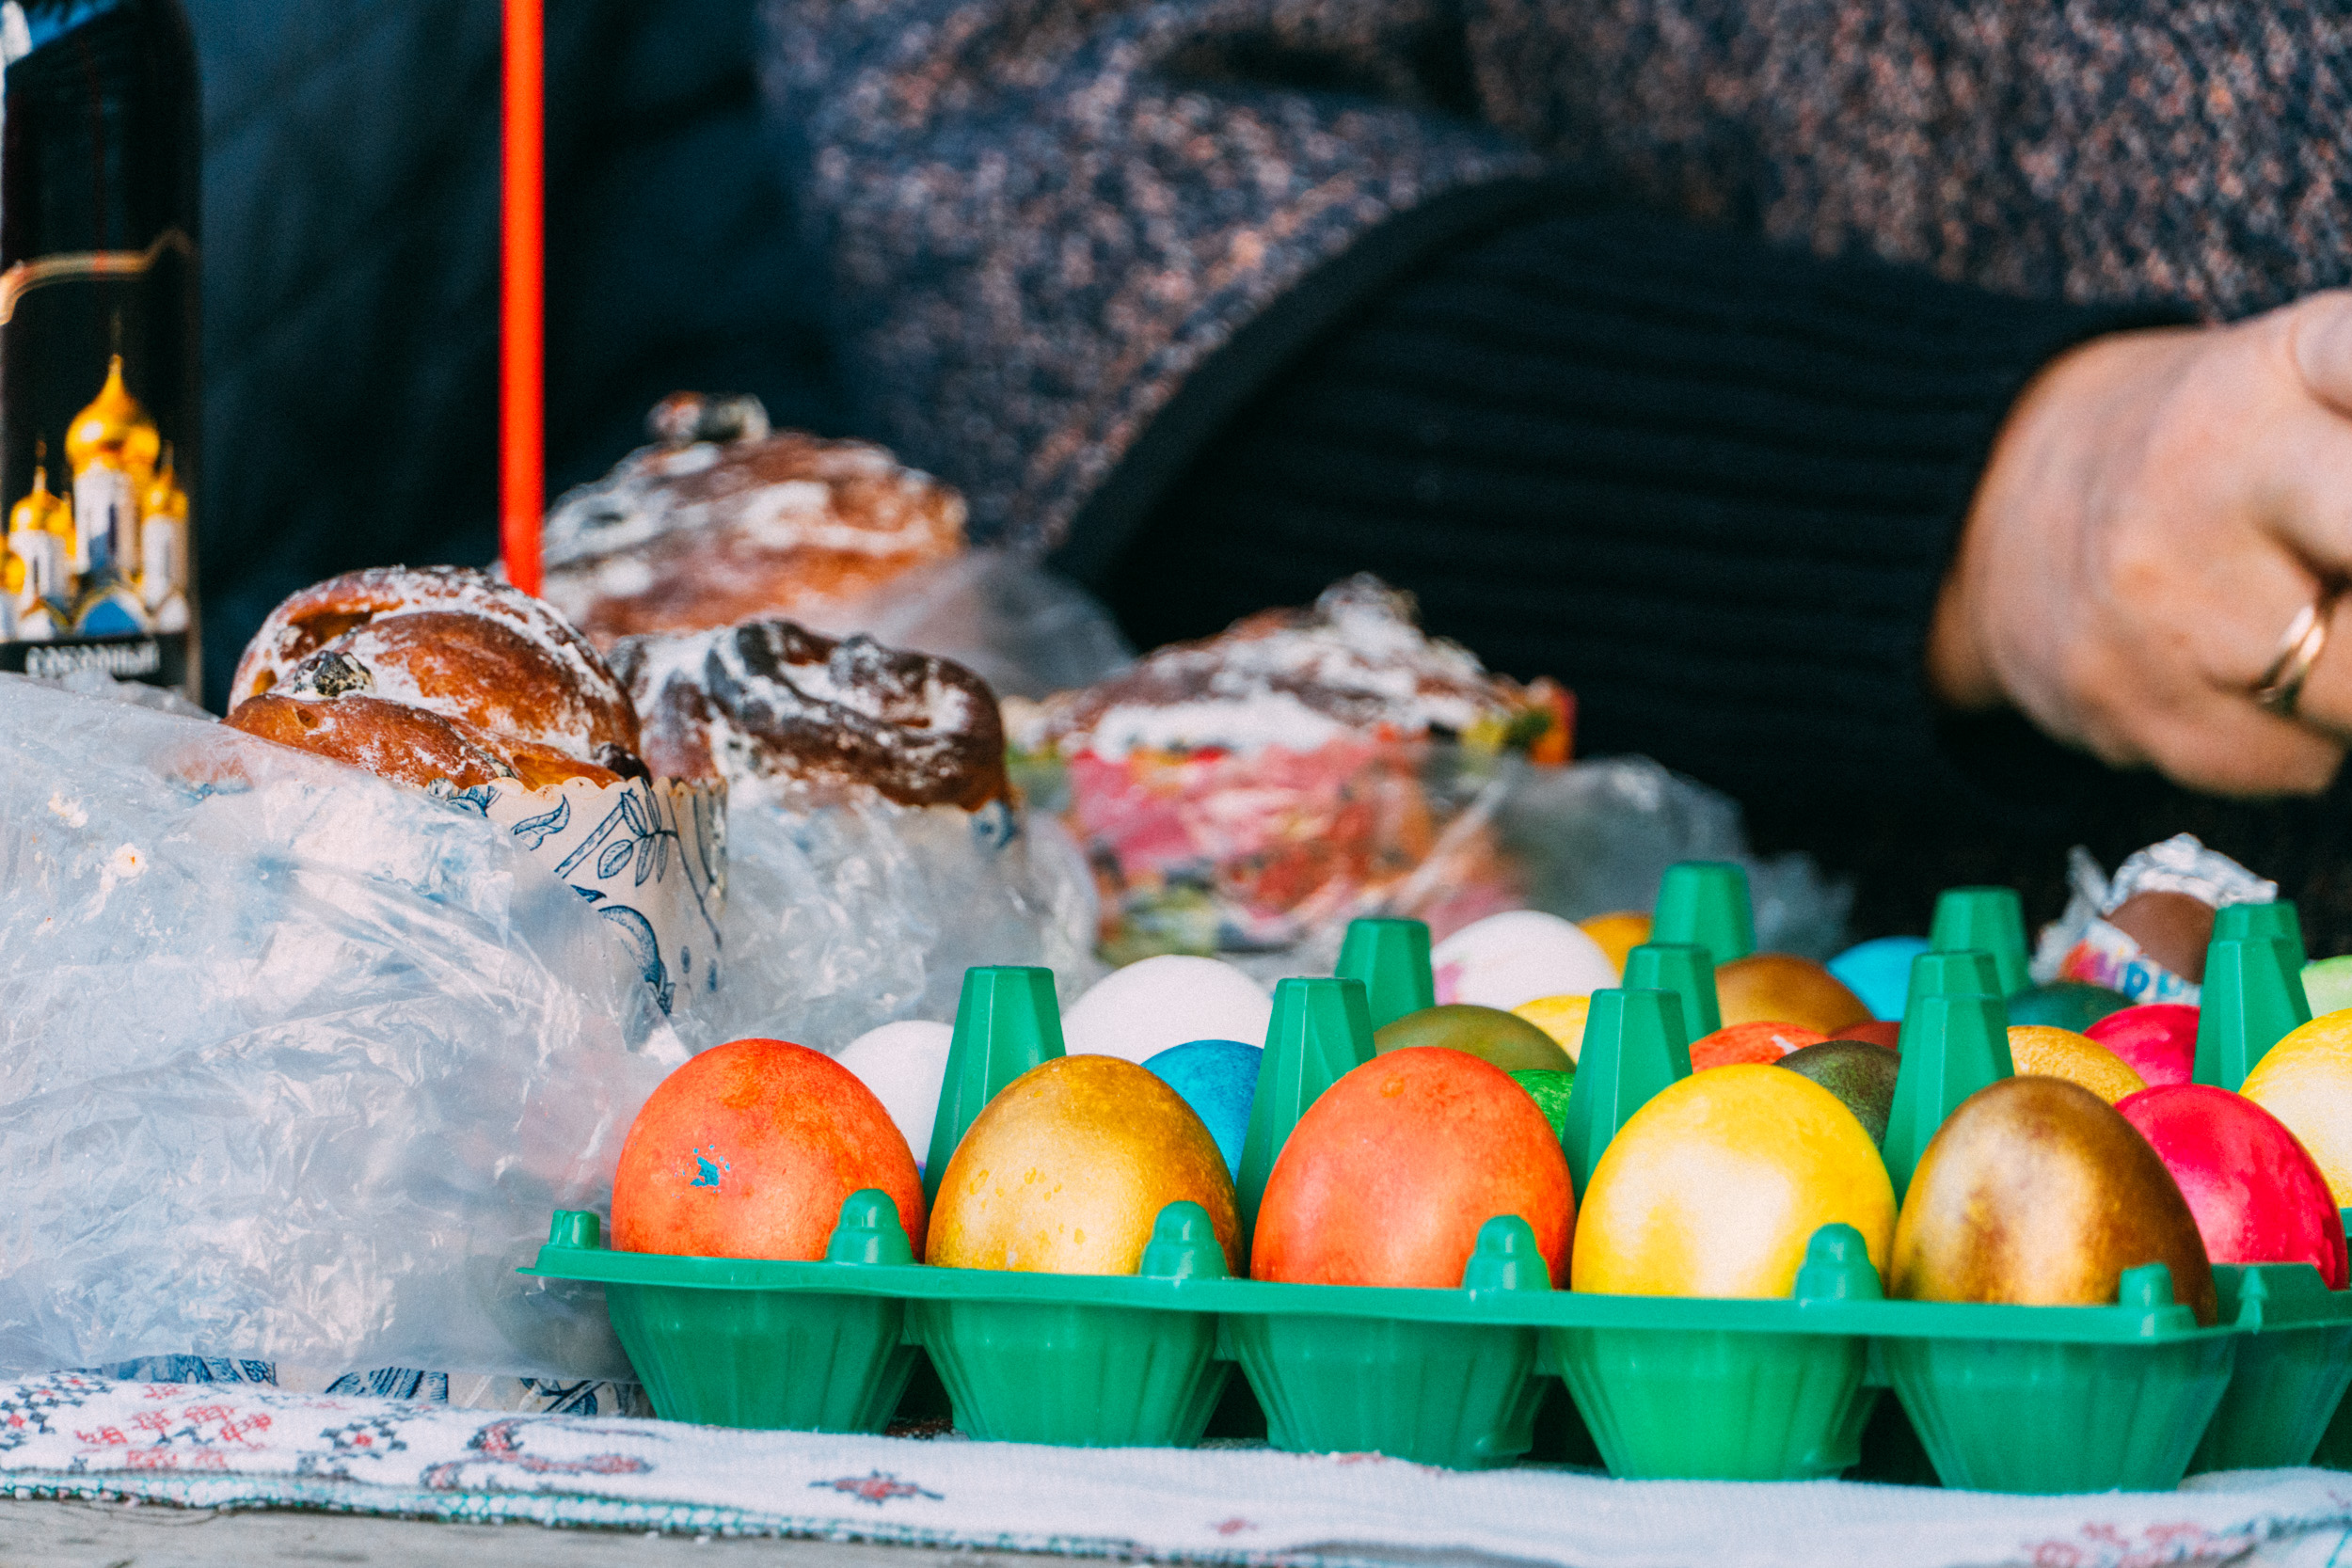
[246, 1446]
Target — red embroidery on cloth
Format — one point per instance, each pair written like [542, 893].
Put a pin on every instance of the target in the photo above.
[877, 1487]
[500, 1443]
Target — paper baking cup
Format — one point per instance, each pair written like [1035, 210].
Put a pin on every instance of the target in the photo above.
[652, 858]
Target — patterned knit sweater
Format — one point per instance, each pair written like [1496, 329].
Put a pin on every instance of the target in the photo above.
[1044, 214]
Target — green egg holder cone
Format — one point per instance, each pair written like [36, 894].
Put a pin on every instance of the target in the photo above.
[2003, 1398]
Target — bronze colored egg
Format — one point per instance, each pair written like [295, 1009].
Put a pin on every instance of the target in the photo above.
[2035, 1191]
[1782, 987]
[1498, 1038]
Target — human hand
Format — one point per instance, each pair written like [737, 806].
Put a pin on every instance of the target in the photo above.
[2160, 506]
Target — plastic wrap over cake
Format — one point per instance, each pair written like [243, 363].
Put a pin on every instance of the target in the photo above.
[293, 1061]
[721, 520]
[1252, 793]
[875, 848]
[648, 855]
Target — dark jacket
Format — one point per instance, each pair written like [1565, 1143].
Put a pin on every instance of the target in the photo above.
[1043, 216]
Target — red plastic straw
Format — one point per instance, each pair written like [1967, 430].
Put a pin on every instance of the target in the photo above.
[522, 335]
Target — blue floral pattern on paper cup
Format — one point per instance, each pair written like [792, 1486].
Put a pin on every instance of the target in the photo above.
[651, 856]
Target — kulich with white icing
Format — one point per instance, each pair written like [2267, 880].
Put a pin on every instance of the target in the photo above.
[723, 521]
[437, 675]
[1354, 664]
[771, 701]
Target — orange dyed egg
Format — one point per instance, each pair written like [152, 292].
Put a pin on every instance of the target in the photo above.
[1765, 1042]
[749, 1151]
[1391, 1173]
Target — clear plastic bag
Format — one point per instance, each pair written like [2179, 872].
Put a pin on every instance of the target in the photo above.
[851, 916]
[293, 1063]
[1017, 626]
[1596, 836]
[1263, 859]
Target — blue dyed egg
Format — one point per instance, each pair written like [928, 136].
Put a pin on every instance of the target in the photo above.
[1217, 1079]
[1879, 971]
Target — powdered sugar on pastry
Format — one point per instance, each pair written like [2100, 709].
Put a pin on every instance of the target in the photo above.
[771, 703]
[316, 616]
[724, 521]
[1295, 678]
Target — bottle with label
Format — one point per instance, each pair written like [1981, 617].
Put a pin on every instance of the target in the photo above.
[99, 422]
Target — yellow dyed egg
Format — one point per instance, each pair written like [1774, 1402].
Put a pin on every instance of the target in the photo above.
[1561, 1017]
[1618, 933]
[1715, 1187]
[2306, 1082]
[2044, 1050]
[1066, 1170]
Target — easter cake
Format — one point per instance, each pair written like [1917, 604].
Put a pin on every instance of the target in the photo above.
[1237, 793]
[722, 519]
[444, 679]
[768, 703]
[418, 674]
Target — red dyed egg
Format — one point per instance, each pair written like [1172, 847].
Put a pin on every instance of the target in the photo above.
[749, 1151]
[1887, 1032]
[2258, 1196]
[2156, 1039]
[1763, 1042]
[1391, 1173]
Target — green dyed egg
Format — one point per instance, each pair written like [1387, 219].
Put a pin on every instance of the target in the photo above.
[1504, 1040]
[1550, 1091]
[1860, 1074]
[2075, 1004]
[2327, 982]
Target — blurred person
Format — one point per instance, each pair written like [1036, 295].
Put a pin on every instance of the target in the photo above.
[1926, 421]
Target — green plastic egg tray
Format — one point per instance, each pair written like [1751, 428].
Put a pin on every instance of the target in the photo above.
[2001, 1398]
[2132, 1395]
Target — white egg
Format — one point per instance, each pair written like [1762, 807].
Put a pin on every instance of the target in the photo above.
[1143, 1009]
[904, 1064]
[1508, 959]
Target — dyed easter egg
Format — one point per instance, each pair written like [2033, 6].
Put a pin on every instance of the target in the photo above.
[2041, 1052]
[2156, 1039]
[749, 1150]
[1217, 1079]
[1715, 1187]
[1886, 1033]
[1066, 1170]
[2257, 1195]
[1391, 1173]
[1550, 1091]
[1506, 1039]
[904, 1064]
[1783, 987]
[1765, 1041]
[2327, 985]
[1155, 1005]
[1515, 957]
[2065, 1005]
[1879, 972]
[1561, 1017]
[1618, 932]
[1860, 1074]
[2035, 1191]
[2306, 1082]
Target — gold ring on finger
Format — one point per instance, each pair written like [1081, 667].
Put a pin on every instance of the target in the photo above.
[2299, 647]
